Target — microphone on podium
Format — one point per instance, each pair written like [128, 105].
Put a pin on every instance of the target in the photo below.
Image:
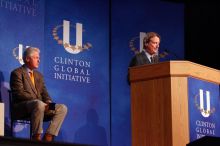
[166, 53]
[163, 54]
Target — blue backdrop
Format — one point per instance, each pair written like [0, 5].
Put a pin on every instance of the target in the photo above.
[22, 24]
[129, 18]
[91, 82]
[88, 119]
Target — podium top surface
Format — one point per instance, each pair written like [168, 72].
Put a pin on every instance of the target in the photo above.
[176, 69]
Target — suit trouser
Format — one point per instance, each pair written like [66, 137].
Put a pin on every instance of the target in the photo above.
[37, 110]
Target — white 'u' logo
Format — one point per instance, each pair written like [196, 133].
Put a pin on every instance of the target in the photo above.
[19, 54]
[74, 49]
[205, 113]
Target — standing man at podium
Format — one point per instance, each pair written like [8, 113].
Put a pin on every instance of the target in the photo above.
[149, 55]
[151, 43]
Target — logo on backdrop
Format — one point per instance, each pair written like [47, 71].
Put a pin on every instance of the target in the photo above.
[133, 43]
[65, 42]
[26, 7]
[18, 53]
[71, 69]
[137, 41]
[205, 111]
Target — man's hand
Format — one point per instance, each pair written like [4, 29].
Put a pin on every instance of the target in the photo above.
[46, 107]
[48, 101]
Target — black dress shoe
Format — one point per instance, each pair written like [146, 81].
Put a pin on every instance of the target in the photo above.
[48, 137]
[36, 137]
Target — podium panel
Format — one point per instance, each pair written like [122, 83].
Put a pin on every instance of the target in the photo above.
[2, 119]
[159, 101]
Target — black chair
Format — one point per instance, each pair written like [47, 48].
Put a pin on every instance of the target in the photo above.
[24, 120]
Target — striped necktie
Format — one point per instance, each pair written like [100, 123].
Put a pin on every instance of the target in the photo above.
[32, 77]
[152, 59]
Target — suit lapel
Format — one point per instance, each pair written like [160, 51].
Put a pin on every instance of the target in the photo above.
[156, 59]
[145, 60]
[36, 78]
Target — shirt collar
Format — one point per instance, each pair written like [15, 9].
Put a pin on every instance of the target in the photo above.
[28, 69]
[148, 55]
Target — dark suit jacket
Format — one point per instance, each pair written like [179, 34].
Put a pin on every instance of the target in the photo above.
[23, 89]
[140, 59]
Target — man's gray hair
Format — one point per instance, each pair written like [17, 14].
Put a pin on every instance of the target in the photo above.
[29, 52]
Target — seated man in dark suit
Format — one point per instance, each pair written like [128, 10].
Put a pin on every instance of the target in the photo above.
[30, 96]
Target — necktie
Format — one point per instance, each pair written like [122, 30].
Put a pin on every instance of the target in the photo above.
[152, 59]
[32, 77]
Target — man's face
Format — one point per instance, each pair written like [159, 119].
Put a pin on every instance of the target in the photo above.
[153, 45]
[33, 61]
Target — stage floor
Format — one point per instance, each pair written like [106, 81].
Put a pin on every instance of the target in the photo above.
[9, 141]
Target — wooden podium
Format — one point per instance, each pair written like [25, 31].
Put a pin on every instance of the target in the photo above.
[2, 118]
[159, 101]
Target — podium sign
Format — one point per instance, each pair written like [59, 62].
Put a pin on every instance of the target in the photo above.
[2, 119]
[204, 109]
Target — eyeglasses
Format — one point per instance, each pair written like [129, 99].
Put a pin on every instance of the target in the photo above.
[155, 43]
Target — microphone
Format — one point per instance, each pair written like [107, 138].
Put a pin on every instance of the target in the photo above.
[167, 52]
[163, 54]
